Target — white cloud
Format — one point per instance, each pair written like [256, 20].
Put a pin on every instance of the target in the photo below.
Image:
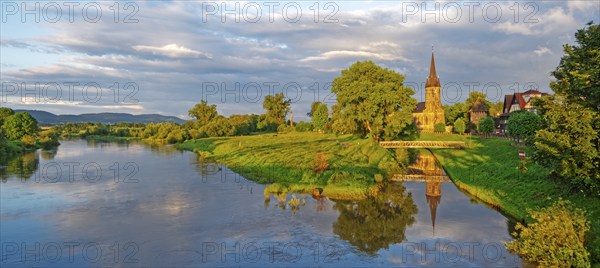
[172, 51]
[542, 50]
[352, 54]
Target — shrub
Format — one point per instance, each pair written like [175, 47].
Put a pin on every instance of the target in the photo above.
[460, 126]
[304, 126]
[284, 128]
[555, 239]
[320, 163]
[439, 127]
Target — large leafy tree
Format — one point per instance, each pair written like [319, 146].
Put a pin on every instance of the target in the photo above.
[460, 126]
[203, 113]
[277, 108]
[20, 124]
[578, 74]
[320, 117]
[372, 100]
[569, 142]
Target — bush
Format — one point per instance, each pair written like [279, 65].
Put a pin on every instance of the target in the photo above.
[439, 127]
[320, 163]
[460, 126]
[304, 126]
[486, 125]
[284, 128]
[555, 239]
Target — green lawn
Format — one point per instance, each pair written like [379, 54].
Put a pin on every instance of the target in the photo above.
[488, 170]
[288, 158]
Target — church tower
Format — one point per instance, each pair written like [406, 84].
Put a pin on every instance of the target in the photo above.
[433, 99]
[429, 113]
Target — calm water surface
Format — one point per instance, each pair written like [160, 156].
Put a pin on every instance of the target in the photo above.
[130, 204]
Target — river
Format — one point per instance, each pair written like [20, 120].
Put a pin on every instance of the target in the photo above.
[130, 204]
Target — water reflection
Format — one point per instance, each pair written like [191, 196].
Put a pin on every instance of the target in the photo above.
[376, 222]
[22, 167]
[426, 169]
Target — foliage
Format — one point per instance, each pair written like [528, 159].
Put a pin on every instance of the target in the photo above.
[555, 239]
[219, 127]
[439, 127]
[459, 126]
[455, 111]
[486, 125]
[203, 112]
[578, 74]
[320, 117]
[313, 108]
[19, 125]
[496, 109]
[523, 125]
[568, 144]
[244, 124]
[277, 109]
[285, 128]
[304, 126]
[4, 113]
[372, 100]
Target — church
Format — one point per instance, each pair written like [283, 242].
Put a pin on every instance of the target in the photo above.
[430, 112]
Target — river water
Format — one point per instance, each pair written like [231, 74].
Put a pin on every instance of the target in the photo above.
[133, 205]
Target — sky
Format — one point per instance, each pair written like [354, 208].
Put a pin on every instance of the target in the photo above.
[163, 57]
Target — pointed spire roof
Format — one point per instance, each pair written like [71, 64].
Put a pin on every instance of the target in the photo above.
[432, 80]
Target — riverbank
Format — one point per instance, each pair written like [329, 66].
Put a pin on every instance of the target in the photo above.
[308, 158]
[489, 171]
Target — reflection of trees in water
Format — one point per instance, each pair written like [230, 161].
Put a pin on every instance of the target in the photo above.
[48, 154]
[23, 166]
[376, 222]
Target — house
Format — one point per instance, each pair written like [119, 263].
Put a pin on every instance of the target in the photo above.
[517, 102]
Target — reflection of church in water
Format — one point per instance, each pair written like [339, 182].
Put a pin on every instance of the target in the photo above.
[427, 170]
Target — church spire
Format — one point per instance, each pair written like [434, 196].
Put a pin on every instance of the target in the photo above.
[432, 80]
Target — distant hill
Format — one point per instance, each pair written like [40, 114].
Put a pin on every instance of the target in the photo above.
[45, 118]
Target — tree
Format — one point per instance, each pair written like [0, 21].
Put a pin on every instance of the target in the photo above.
[460, 126]
[203, 113]
[219, 127]
[4, 113]
[455, 111]
[277, 108]
[569, 142]
[20, 124]
[486, 125]
[320, 117]
[313, 108]
[523, 125]
[578, 74]
[496, 109]
[372, 100]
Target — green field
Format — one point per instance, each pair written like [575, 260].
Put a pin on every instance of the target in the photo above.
[489, 171]
[289, 158]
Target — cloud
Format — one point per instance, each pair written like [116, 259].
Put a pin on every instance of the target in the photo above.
[351, 54]
[172, 51]
[542, 50]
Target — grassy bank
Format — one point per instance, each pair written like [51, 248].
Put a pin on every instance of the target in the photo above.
[488, 170]
[290, 158]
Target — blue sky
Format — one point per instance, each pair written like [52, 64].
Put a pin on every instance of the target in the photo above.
[164, 56]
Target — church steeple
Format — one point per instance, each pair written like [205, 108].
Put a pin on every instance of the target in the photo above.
[432, 80]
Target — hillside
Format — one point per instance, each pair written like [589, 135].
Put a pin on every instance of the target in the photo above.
[46, 118]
